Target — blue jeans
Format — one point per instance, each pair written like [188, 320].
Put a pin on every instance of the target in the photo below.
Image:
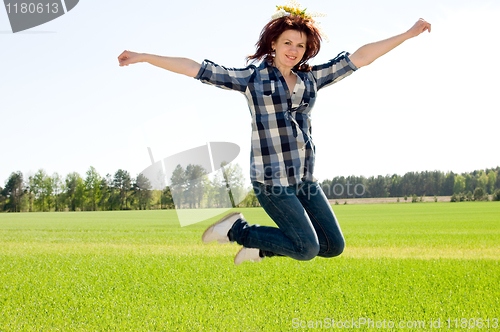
[307, 225]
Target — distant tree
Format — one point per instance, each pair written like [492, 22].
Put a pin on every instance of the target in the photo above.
[492, 179]
[105, 188]
[377, 187]
[49, 191]
[233, 179]
[41, 189]
[194, 175]
[93, 188]
[80, 194]
[3, 200]
[497, 185]
[58, 188]
[30, 187]
[482, 181]
[251, 200]
[167, 201]
[14, 192]
[449, 183]
[123, 183]
[479, 194]
[396, 188]
[178, 185]
[496, 195]
[408, 184]
[459, 185]
[71, 182]
[142, 191]
[469, 186]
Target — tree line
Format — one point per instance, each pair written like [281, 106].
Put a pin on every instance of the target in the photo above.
[476, 184]
[193, 189]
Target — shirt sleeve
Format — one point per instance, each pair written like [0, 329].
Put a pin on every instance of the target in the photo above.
[225, 78]
[334, 70]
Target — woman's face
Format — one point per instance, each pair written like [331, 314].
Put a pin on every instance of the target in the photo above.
[289, 48]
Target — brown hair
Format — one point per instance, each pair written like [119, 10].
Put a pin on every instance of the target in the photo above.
[276, 27]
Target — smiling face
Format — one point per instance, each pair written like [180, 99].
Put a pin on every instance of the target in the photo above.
[289, 49]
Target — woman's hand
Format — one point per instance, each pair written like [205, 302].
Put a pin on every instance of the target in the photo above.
[418, 28]
[128, 58]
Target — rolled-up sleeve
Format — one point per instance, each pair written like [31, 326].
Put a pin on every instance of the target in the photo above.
[333, 71]
[225, 78]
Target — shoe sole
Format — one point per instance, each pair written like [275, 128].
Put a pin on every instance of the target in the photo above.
[209, 229]
[248, 260]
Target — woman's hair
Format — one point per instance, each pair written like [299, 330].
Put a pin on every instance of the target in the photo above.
[276, 27]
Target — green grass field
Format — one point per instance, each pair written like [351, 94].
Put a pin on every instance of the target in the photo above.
[409, 264]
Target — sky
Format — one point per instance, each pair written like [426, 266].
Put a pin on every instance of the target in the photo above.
[430, 104]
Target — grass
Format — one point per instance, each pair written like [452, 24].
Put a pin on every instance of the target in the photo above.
[140, 271]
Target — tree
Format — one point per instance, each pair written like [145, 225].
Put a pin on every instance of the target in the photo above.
[479, 194]
[377, 187]
[449, 183]
[395, 188]
[122, 182]
[31, 192]
[80, 194]
[105, 202]
[3, 199]
[482, 181]
[71, 181]
[92, 187]
[142, 190]
[49, 191]
[496, 195]
[459, 185]
[492, 179]
[14, 192]
[232, 176]
[57, 185]
[167, 202]
[469, 186]
[178, 185]
[41, 189]
[194, 176]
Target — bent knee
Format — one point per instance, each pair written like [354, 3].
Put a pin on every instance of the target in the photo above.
[335, 250]
[309, 252]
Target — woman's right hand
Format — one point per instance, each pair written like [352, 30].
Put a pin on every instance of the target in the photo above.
[128, 58]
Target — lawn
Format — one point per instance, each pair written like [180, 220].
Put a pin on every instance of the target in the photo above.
[413, 264]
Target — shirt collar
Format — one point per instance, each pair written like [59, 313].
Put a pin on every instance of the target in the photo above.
[266, 65]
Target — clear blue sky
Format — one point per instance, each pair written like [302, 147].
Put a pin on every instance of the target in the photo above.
[66, 105]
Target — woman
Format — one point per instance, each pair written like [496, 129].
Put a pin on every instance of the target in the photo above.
[281, 92]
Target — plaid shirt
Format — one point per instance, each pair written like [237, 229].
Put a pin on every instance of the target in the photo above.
[282, 152]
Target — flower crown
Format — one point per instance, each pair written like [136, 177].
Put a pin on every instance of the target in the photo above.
[295, 8]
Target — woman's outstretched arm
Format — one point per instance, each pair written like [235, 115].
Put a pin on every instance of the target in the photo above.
[177, 65]
[370, 52]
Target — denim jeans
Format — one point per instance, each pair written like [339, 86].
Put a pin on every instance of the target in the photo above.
[307, 224]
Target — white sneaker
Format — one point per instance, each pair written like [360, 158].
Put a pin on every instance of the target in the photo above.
[219, 230]
[247, 254]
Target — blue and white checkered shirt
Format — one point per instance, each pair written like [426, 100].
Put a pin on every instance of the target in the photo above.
[282, 149]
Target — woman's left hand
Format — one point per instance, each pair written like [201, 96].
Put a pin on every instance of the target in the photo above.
[418, 28]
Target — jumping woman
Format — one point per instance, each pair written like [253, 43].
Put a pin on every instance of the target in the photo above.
[281, 91]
